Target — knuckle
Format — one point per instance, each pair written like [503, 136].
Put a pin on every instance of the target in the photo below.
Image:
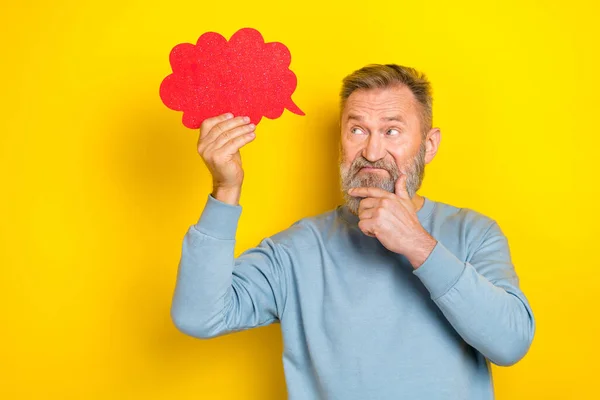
[217, 129]
[204, 125]
[209, 158]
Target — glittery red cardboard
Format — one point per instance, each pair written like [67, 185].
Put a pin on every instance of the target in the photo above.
[244, 76]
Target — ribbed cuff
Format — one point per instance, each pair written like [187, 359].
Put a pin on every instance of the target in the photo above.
[440, 271]
[219, 219]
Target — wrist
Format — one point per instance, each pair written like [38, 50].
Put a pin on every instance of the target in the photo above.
[422, 251]
[229, 195]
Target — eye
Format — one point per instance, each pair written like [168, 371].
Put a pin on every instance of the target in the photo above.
[356, 131]
[393, 132]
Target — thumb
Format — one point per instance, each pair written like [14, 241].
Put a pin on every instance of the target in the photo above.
[400, 187]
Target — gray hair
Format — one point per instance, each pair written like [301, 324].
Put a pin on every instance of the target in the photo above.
[375, 76]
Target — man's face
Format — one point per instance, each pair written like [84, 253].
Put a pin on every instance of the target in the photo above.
[380, 140]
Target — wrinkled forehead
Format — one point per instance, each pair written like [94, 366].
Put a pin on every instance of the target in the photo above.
[381, 103]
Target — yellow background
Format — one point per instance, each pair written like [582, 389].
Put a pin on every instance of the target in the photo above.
[100, 181]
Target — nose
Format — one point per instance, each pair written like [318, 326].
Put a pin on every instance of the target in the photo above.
[375, 148]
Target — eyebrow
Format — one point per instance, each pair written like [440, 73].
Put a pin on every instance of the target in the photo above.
[397, 118]
[354, 116]
[393, 118]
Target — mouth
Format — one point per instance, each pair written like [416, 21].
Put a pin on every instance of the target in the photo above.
[371, 169]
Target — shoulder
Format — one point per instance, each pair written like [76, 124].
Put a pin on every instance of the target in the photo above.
[305, 232]
[466, 217]
[468, 226]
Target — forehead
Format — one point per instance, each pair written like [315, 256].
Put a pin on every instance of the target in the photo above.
[380, 101]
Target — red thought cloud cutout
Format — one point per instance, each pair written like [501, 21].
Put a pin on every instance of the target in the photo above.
[244, 76]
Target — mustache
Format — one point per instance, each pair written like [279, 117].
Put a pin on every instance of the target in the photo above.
[361, 162]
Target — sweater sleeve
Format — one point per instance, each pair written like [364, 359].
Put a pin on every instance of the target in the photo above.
[215, 293]
[481, 297]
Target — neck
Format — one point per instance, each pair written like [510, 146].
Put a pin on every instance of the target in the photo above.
[418, 202]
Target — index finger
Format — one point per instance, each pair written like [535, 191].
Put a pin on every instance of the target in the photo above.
[370, 192]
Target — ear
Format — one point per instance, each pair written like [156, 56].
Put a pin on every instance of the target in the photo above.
[432, 143]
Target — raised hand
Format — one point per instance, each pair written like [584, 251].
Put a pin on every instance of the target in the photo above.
[219, 143]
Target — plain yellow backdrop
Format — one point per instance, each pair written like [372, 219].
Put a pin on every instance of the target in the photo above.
[100, 181]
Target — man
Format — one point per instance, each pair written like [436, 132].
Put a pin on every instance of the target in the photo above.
[389, 296]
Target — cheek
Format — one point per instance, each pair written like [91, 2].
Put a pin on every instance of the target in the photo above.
[349, 152]
[404, 154]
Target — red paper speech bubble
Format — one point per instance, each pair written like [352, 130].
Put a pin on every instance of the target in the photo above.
[244, 76]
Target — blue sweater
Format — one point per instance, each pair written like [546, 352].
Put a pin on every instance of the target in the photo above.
[358, 322]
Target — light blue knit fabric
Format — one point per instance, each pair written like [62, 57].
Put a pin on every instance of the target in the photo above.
[358, 322]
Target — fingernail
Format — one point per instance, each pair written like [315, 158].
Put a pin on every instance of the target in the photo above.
[252, 126]
[246, 119]
[229, 115]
